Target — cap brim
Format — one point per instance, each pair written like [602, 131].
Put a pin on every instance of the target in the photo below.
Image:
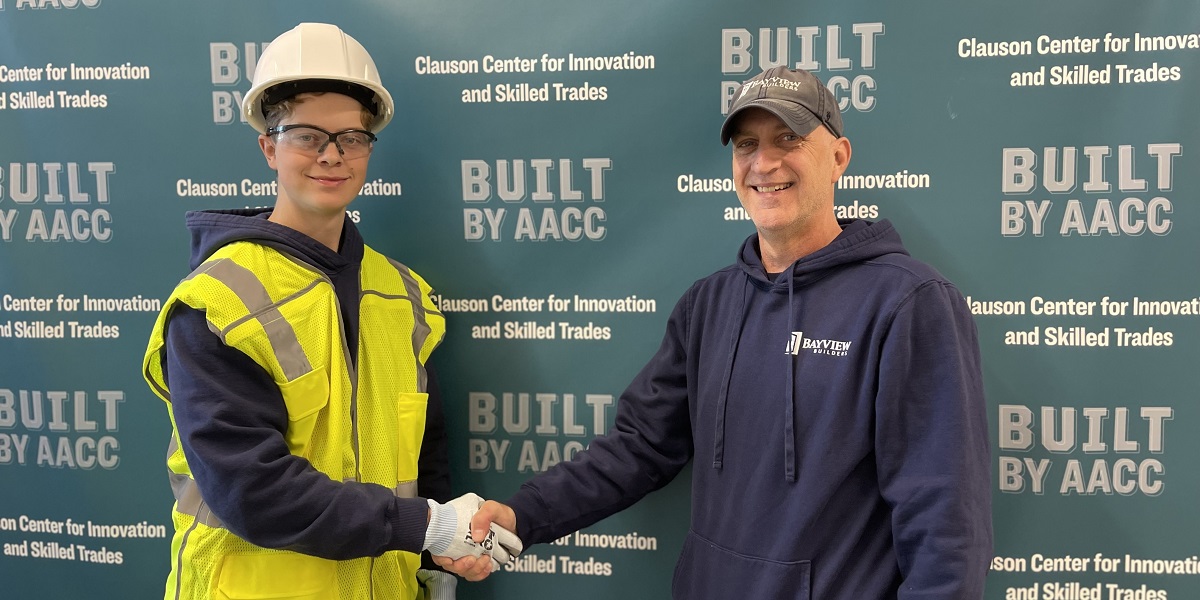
[795, 116]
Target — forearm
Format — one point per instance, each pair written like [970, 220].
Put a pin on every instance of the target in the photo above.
[649, 444]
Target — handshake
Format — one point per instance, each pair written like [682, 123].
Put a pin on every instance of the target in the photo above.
[449, 533]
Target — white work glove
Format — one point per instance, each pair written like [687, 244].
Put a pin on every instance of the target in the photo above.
[449, 533]
[438, 585]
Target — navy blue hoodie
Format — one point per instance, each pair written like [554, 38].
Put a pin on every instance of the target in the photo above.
[836, 416]
[231, 419]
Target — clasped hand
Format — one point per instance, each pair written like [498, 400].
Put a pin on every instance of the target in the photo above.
[500, 544]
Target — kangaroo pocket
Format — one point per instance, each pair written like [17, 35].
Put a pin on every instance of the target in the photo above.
[708, 571]
[276, 575]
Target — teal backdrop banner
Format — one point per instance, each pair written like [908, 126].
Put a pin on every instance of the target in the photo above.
[555, 171]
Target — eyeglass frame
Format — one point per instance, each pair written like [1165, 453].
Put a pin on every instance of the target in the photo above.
[331, 136]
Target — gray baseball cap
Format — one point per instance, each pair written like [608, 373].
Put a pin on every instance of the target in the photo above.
[796, 96]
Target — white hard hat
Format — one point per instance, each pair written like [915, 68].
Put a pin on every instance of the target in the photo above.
[316, 57]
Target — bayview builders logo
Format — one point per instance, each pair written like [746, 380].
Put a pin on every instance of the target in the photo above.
[831, 347]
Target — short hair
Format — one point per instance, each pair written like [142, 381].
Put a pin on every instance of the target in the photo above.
[277, 112]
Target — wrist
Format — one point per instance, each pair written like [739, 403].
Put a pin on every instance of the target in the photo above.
[439, 534]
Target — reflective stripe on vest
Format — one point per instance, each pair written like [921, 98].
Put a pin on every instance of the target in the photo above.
[246, 286]
[421, 328]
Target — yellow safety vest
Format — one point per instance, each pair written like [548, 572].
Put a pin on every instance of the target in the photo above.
[365, 426]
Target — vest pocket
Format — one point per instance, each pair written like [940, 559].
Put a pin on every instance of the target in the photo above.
[410, 416]
[706, 570]
[304, 396]
[276, 575]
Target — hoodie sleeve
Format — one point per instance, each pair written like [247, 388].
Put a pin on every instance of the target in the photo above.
[649, 444]
[932, 446]
[231, 420]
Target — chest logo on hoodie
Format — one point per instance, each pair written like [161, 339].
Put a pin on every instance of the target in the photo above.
[798, 342]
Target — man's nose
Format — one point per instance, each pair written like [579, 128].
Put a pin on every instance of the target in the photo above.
[331, 153]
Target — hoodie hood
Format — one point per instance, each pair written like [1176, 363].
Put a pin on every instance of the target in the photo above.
[858, 242]
[212, 229]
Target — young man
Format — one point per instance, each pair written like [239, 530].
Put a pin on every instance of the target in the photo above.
[828, 387]
[293, 361]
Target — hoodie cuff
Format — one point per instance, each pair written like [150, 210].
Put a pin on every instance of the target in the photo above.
[526, 503]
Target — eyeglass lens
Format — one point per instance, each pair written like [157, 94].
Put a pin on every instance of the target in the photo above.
[313, 140]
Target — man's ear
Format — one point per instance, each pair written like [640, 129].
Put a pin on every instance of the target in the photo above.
[266, 143]
[841, 157]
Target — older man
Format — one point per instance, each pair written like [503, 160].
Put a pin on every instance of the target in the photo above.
[827, 387]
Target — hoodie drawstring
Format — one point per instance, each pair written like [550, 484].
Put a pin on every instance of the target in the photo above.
[734, 337]
[789, 411]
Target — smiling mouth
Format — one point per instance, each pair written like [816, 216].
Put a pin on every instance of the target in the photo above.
[762, 189]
